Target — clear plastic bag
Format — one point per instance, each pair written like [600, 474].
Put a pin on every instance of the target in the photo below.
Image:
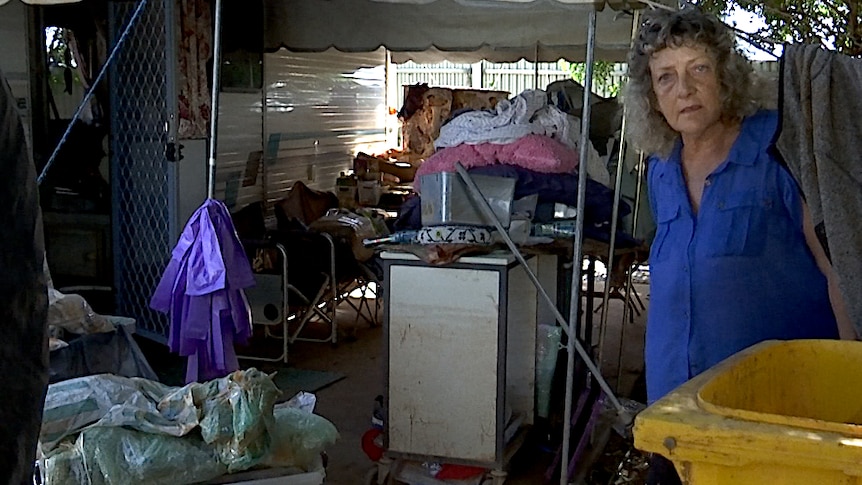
[237, 416]
[298, 438]
[547, 347]
[121, 456]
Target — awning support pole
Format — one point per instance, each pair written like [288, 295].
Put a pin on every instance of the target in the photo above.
[635, 218]
[214, 109]
[572, 342]
[613, 241]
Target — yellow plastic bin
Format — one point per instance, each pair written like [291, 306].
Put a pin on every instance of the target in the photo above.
[779, 412]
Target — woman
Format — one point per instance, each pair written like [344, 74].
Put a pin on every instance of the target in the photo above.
[735, 260]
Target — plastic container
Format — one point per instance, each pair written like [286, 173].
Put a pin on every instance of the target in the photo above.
[779, 412]
[345, 187]
[447, 201]
[558, 229]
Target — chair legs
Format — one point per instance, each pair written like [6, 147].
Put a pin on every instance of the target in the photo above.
[363, 307]
[631, 298]
[320, 308]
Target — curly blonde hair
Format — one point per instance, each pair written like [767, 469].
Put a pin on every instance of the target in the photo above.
[648, 130]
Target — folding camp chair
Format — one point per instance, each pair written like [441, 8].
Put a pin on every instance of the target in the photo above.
[295, 284]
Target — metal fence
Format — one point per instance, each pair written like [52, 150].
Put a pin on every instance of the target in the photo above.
[515, 77]
[143, 212]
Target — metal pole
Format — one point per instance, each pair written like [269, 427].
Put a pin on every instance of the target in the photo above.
[638, 190]
[132, 21]
[215, 97]
[620, 167]
[536, 69]
[476, 194]
[611, 247]
[577, 257]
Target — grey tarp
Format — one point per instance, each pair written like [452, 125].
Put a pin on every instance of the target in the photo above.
[101, 353]
[821, 141]
[23, 300]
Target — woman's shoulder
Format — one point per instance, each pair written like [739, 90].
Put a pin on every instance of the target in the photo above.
[762, 123]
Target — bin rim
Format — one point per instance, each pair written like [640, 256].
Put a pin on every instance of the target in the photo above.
[754, 352]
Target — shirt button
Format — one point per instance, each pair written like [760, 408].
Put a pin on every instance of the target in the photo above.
[708, 182]
[721, 205]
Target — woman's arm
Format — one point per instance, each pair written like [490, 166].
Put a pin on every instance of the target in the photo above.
[845, 326]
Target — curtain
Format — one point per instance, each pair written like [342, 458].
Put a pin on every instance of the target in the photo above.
[193, 55]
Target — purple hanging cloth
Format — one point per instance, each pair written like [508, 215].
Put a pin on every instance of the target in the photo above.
[202, 292]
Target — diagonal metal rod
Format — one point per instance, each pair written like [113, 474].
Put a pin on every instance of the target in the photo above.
[477, 196]
[132, 21]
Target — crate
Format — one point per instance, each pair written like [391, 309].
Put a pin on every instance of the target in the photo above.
[779, 412]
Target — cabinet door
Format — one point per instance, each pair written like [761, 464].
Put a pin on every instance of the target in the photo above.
[443, 362]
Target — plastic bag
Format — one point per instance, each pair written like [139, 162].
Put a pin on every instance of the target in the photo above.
[298, 438]
[109, 400]
[237, 417]
[120, 456]
[547, 348]
[64, 466]
[349, 227]
[227, 421]
[72, 313]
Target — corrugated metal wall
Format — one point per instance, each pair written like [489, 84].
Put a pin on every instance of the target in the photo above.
[240, 144]
[320, 109]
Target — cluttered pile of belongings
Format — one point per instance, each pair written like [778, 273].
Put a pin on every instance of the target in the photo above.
[530, 139]
[107, 429]
[84, 342]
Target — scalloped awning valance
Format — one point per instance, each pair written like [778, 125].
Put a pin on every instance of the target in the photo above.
[457, 30]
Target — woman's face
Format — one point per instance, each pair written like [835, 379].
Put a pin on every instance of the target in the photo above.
[685, 82]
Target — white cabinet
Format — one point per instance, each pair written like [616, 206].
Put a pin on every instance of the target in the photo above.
[461, 343]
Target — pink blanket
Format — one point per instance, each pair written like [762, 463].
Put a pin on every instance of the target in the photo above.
[535, 152]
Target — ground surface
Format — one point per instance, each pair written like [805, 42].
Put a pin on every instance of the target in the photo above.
[359, 355]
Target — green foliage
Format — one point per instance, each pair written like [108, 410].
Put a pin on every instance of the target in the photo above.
[605, 83]
[59, 56]
[834, 24]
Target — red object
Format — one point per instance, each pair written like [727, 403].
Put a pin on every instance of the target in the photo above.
[371, 448]
[455, 472]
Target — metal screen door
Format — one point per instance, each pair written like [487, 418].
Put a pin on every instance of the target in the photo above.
[143, 105]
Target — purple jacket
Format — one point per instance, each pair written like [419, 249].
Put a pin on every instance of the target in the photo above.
[202, 292]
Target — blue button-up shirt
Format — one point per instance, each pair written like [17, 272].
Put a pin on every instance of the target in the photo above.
[738, 271]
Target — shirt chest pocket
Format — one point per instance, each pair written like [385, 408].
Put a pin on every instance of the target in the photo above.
[666, 215]
[736, 226]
